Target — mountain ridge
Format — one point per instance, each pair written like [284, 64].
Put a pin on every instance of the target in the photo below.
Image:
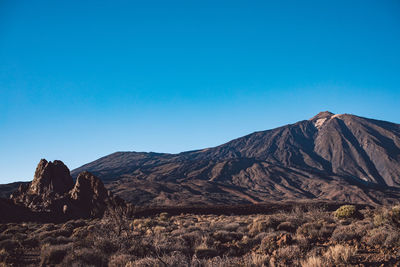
[319, 158]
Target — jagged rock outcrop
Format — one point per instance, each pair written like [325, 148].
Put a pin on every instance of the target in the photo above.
[52, 191]
[91, 195]
[88, 188]
[46, 192]
[51, 177]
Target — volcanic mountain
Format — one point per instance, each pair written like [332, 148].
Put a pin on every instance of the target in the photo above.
[328, 157]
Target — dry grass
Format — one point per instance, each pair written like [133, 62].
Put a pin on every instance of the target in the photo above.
[297, 238]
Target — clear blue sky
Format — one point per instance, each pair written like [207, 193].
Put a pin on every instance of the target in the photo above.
[82, 79]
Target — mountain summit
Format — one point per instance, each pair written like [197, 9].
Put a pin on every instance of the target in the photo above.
[322, 115]
[330, 157]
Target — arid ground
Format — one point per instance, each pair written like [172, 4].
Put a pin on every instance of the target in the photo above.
[317, 237]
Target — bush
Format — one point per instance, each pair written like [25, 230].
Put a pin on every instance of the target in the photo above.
[385, 236]
[313, 261]
[204, 252]
[85, 257]
[262, 225]
[32, 242]
[269, 243]
[9, 245]
[225, 236]
[164, 216]
[60, 240]
[311, 230]
[119, 260]
[339, 254]
[51, 255]
[350, 232]
[286, 226]
[3, 255]
[395, 214]
[380, 219]
[288, 255]
[346, 211]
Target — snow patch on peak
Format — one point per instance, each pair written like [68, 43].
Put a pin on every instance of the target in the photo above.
[318, 123]
[336, 116]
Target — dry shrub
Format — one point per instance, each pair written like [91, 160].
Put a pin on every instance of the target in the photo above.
[312, 261]
[5, 237]
[164, 216]
[80, 232]
[3, 255]
[54, 233]
[339, 254]
[56, 240]
[246, 244]
[385, 216]
[380, 219]
[106, 245]
[254, 259]
[176, 259]
[51, 255]
[231, 227]
[11, 251]
[85, 257]
[288, 255]
[45, 228]
[30, 242]
[286, 226]
[385, 236]
[303, 242]
[311, 230]
[354, 231]
[262, 224]
[205, 249]
[225, 236]
[9, 245]
[213, 262]
[272, 241]
[120, 260]
[146, 262]
[205, 252]
[20, 236]
[12, 230]
[395, 214]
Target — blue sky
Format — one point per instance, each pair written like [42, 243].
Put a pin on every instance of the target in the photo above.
[82, 79]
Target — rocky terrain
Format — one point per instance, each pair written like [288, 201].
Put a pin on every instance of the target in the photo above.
[272, 198]
[328, 157]
[53, 196]
[317, 237]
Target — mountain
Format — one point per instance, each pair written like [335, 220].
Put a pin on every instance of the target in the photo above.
[328, 157]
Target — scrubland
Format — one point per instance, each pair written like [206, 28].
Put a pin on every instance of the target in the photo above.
[346, 237]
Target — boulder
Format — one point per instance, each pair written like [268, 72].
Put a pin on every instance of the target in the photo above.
[90, 194]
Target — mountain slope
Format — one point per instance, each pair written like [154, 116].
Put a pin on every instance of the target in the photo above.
[335, 157]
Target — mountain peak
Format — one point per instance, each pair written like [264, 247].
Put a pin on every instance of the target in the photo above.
[322, 115]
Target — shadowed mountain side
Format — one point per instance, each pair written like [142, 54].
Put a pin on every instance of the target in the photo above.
[257, 183]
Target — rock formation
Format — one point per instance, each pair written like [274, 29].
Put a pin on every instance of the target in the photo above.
[51, 177]
[52, 191]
